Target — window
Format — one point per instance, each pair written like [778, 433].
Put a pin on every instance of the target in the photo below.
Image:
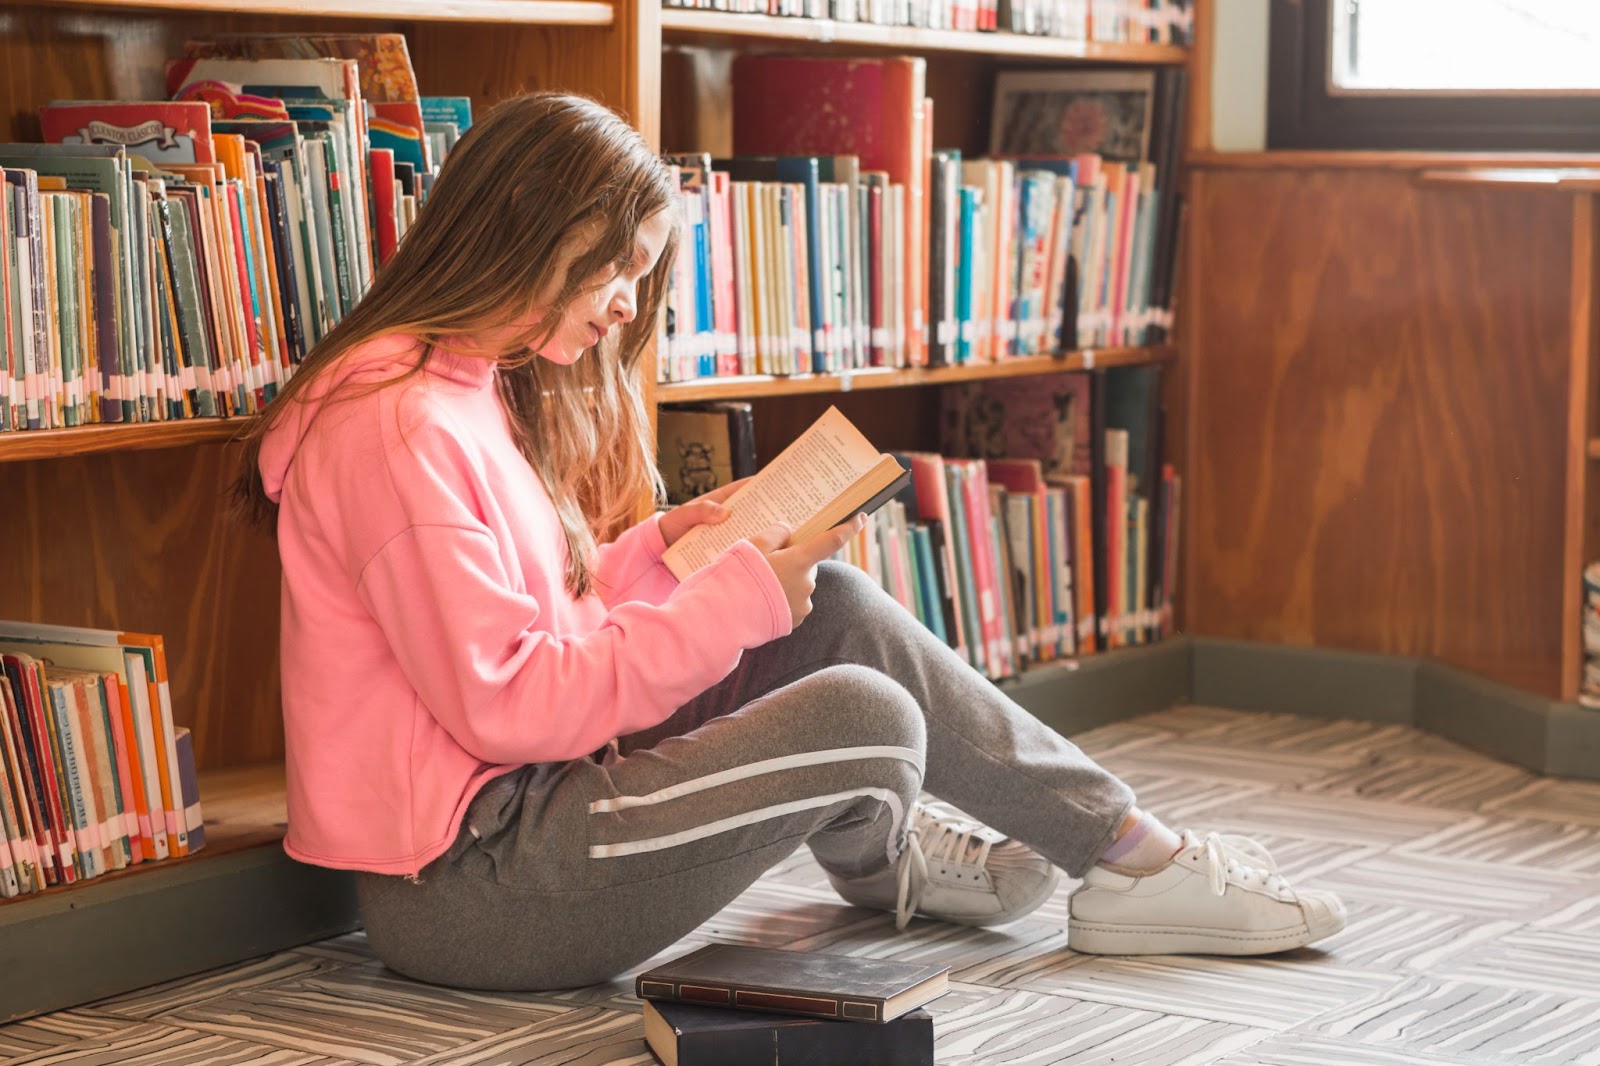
[1481, 75]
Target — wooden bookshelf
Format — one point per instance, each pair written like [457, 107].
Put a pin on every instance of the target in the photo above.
[243, 808]
[25, 445]
[756, 386]
[517, 12]
[684, 25]
[113, 525]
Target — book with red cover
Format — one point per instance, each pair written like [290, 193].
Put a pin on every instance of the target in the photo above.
[921, 309]
[160, 131]
[975, 488]
[869, 108]
[30, 776]
[842, 987]
[380, 165]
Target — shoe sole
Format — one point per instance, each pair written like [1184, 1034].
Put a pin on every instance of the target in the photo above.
[1092, 939]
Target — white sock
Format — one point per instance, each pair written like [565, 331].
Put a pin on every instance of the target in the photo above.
[1145, 848]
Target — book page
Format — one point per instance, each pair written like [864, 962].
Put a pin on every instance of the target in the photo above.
[807, 476]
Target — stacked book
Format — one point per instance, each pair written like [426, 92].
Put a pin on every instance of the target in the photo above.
[1112, 21]
[840, 240]
[177, 258]
[94, 775]
[733, 1005]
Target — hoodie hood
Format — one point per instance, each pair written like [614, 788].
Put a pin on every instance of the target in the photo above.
[378, 360]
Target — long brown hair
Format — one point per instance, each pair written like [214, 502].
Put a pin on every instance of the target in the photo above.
[537, 172]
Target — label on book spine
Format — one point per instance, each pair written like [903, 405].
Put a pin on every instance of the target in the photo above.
[812, 1005]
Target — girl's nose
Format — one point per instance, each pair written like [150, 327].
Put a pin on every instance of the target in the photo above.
[622, 305]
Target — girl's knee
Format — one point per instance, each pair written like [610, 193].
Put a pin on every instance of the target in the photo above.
[842, 588]
[870, 707]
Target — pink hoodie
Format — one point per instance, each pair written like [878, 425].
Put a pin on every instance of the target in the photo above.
[428, 642]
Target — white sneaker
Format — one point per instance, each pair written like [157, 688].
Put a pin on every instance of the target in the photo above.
[956, 870]
[1219, 896]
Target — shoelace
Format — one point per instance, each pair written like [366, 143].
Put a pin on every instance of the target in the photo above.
[1232, 858]
[1248, 851]
[951, 843]
[913, 874]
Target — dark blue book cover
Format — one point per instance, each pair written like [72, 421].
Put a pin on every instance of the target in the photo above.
[189, 783]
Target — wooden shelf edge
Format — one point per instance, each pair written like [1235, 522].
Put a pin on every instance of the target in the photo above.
[1594, 449]
[546, 12]
[243, 809]
[1563, 179]
[682, 22]
[762, 385]
[21, 445]
[1298, 159]
[28, 445]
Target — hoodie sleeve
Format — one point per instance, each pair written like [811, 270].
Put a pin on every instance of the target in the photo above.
[509, 692]
[630, 567]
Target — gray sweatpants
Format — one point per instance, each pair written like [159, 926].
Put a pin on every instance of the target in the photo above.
[566, 874]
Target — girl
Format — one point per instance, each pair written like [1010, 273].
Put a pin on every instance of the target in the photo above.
[547, 758]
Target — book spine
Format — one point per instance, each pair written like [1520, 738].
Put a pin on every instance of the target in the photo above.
[777, 1001]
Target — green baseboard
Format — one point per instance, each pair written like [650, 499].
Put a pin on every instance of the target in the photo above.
[1079, 695]
[98, 940]
[1313, 682]
[1546, 736]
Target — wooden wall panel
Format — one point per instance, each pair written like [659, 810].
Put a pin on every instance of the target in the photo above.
[491, 63]
[142, 541]
[1378, 422]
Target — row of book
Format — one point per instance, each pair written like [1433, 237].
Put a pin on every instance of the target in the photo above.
[784, 277]
[1001, 565]
[1046, 527]
[94, 775]
[837, 238]
[1113, 21]
[178, 258]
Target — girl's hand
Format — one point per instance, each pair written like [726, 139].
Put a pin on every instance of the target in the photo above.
[703, 510]
[796, 565]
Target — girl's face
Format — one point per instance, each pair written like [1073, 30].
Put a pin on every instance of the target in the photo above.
[610, 298]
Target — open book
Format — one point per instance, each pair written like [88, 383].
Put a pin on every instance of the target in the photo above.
[824, 477]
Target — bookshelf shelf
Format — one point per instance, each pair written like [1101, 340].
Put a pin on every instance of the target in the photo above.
[26, 445]
[1594, 448]
[244, 808]
[760, 385]
[682, 25]
[23, 445]
[524, 12]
